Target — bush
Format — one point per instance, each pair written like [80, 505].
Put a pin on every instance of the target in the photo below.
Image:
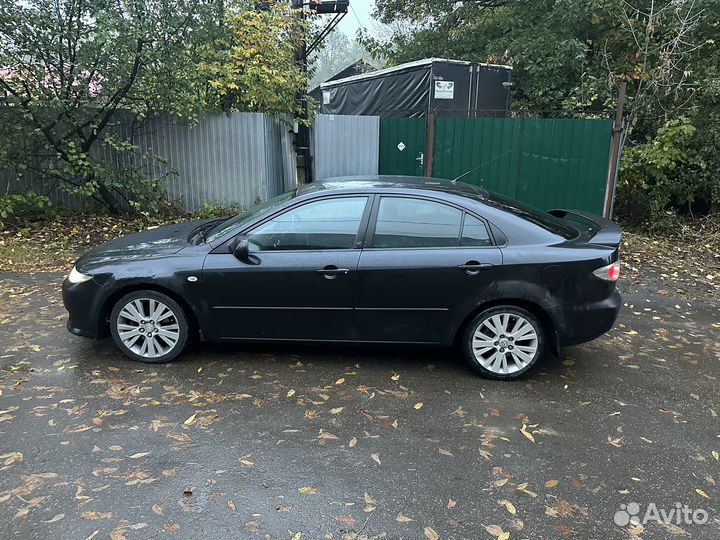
[666, 174]
[25, 206]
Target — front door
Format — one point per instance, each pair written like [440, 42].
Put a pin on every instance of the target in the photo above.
[427, 264]
[300, 281]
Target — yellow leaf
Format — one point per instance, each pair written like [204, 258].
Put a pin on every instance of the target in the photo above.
[430, 534]
[352, 442]
[376, 458]
[716, 455]
[139, 455]
[402, 518]
[337, 410]
[702, 493]
[291, 393]
[341, 380]
[190, 420]
[527, 434]
[551, 483]
[307, 490]
[495, 530]
[631, 333]
[510, 507]
[418, 405]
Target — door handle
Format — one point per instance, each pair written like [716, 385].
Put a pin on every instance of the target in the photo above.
[331, 272]
[472, 268]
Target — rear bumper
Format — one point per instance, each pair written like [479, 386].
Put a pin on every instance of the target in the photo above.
[580, 322]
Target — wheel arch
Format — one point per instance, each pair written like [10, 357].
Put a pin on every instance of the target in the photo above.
[116, 295]
[542, 316]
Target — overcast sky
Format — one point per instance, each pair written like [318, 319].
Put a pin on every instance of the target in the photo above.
[358, 16]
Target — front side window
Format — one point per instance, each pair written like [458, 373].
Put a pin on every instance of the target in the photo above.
[414, 223]
[326, 224]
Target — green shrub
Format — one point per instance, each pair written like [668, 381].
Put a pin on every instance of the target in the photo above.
[666, 174]
[25, 206]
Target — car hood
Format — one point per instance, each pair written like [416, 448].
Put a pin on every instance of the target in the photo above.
[151, 243]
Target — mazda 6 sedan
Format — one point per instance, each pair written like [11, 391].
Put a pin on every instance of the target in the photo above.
[372, 260]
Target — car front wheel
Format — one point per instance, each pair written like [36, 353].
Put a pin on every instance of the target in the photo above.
[149, 327]
[503, 342]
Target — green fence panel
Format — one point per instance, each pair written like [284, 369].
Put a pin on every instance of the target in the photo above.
[402, 146]
[545, 162]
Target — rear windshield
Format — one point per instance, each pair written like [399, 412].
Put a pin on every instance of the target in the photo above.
[542, 219]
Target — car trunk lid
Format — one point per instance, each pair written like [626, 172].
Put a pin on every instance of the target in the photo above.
[595, 229]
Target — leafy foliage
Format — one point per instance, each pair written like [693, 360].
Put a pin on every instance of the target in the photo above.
[68, 68]
[21, 206]
[570, 55]
[252, 65]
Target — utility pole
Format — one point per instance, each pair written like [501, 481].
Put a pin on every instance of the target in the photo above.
[337, 8]
[615, 153]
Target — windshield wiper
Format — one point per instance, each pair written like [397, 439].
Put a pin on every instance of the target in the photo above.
[203, 229]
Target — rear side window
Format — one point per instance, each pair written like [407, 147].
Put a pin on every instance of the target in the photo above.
[475, 233]
[415, 223]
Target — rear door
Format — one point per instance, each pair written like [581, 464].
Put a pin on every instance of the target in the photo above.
[300, 281]
[424, 265]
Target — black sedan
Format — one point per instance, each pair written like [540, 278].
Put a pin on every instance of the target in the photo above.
[372, 259]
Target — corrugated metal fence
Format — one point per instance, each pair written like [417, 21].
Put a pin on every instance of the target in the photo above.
[345, 145]
[227, 160]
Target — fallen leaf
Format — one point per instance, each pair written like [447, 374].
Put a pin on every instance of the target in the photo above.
[231, 505]
[376, 458]
[402, 518]
[418, 405]
[55, 518]
[337, 410]
[157, 509]
[291, 393]
[139, 455]
[307, 490]
[527, 434]
[551, 483]
[346, 520]
[341, 380]
[451, 504]
[701, 493]
[190, 420]
[430, 533]
[510, 507]
[352, 442]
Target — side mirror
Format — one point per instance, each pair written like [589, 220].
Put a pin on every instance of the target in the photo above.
[239, 247]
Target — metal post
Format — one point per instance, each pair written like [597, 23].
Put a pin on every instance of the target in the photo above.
[430, 143]
[615, 153]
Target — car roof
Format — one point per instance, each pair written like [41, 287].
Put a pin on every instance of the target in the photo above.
[381, 182]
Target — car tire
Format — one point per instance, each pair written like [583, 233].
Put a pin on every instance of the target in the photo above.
[149, 313]
[503, 342]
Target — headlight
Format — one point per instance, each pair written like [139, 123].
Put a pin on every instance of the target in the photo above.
[77, 277]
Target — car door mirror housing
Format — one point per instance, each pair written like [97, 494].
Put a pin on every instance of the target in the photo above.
[239, 247]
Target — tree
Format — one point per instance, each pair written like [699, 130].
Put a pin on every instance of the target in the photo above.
[252, 66]
[337, 52]
[67, 67]
[570, 55]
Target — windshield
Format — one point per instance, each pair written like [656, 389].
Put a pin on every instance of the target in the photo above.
[239, 221]
[547, 221]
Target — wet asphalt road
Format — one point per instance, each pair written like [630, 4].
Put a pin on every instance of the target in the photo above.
[348, 442]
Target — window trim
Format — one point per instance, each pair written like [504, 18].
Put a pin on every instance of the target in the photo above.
[357, 243]
[370, 234]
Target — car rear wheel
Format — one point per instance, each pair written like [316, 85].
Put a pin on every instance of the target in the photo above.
[149, 327]
[503, 342]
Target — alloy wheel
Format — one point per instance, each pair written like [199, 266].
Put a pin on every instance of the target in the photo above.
[148, 327]
[505, 343]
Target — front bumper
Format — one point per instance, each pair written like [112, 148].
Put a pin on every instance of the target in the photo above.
[84, 303]
[584, 321]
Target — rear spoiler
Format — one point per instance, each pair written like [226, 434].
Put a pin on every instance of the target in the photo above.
[609, 233]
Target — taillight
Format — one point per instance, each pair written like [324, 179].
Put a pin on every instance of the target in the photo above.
[611, 272]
